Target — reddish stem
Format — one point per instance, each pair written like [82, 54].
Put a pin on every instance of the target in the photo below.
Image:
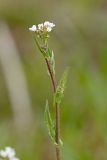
[57, 111]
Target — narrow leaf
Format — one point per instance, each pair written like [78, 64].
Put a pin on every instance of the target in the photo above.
[61, 87]
[49, 123]
[41, 48]
[51, 59]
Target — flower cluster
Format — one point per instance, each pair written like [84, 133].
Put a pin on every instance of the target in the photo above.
[43, 27]
[41, 37]
[8, 153]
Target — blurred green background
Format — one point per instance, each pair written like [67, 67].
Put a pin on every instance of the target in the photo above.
[79, 40]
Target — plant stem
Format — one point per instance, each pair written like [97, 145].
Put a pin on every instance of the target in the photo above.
[57, 111]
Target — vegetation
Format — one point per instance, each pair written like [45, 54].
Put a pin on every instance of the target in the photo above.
[79, 41]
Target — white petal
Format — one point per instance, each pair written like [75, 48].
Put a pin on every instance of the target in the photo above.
[40, 26]
[49, 24]
[52, 25]
[33, 28]
[49, 29]
[3, 154]
[10, 152]
[46, 23]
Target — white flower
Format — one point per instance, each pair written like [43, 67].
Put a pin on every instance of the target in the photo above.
[48, 26]
[3, 154]
[40, 27]
[44, 27]
[8, 153]
[33, 28]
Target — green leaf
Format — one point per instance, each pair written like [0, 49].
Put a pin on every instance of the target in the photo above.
[50, 126]
[60, 88]
[49, 123]
[42, 49]
[51, 59]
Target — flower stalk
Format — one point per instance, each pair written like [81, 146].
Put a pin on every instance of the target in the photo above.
[41, 36]
[57, 111]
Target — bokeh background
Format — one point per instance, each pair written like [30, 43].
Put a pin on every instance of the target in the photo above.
[79, 41]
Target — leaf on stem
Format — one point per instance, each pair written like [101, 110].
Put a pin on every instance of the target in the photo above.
[49, 123]
[41, 48]
[60, 88]
[51, 59]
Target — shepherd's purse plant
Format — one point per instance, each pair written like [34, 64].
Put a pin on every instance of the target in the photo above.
[41, 34]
